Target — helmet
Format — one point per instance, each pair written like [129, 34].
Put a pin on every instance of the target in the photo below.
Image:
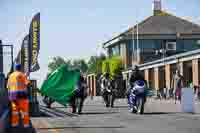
[18, 67]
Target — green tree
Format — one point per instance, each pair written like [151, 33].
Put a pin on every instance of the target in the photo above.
[80, 64]
[95, 64]
[113, 66]
[57, 62]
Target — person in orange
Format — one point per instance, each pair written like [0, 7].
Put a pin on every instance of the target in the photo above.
[18, 96]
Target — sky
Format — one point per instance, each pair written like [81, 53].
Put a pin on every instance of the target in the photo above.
[76, 28]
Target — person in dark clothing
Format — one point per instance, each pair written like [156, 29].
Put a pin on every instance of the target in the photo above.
[81, 92]
[136, 75]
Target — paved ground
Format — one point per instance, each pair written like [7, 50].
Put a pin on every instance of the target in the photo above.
[159, 117]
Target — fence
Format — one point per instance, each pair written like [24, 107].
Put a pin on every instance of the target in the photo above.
[92, 84]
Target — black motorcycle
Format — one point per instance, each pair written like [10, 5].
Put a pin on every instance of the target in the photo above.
[109, 97]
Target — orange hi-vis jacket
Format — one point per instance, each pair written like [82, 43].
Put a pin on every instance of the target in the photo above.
[17, 85]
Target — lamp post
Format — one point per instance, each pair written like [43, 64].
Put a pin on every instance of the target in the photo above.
[163, 52]
[133, 47]
[137, 42]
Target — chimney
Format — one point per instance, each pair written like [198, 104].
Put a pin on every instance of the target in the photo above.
[157, 7]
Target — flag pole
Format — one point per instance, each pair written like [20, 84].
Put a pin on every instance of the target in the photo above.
[133, 47]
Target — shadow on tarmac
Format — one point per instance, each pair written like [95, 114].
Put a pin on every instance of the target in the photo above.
[159, 113]
[98, 113]
[117, 107]
[72, 127]
[21, 130]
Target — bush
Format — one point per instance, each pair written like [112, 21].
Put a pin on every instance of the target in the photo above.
[113, 66]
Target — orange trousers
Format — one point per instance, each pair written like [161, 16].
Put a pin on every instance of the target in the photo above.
[17, 107]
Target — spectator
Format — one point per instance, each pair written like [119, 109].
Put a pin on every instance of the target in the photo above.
[198, 93]
[165, 92]
[177, 84]
[195, 89]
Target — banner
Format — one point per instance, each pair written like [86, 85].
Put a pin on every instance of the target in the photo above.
[34, 41]
[23, 56]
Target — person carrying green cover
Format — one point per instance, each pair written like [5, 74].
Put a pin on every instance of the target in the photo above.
[60, 85]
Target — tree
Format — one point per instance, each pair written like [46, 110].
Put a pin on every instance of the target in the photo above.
[80, 64]
[113, 66]
[95, 63]
[57, 62]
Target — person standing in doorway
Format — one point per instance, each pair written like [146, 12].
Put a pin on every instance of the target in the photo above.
[177, 84]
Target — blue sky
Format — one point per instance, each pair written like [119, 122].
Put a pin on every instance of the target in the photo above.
[74, 28]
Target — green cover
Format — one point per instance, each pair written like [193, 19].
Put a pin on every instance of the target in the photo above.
[60, 84]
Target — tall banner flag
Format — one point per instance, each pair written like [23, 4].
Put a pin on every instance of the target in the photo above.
[34, 42]
[23, 56]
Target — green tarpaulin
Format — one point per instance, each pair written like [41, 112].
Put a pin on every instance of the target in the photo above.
[60, 84]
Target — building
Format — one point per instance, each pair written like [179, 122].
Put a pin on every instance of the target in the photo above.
[159, 35]
[159, 45]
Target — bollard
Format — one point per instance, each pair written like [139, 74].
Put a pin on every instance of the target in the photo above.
[187, 100]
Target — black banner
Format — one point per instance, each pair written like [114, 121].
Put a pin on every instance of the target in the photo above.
[23, 56]
[34, 41]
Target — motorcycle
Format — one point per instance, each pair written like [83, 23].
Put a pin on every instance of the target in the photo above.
[108, 95]
[136, 97]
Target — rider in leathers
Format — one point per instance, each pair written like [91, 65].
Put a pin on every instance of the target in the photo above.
[136, 75]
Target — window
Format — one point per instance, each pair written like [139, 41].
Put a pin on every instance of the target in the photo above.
[115, 51]
[171, 45]
[198, 43]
